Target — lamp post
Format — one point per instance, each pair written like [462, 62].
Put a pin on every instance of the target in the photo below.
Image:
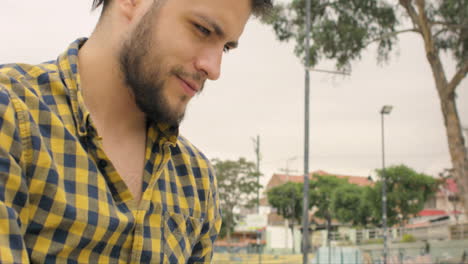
[305, 212]
[386, 109]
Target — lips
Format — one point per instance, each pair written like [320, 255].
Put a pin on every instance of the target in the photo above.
[189, 86]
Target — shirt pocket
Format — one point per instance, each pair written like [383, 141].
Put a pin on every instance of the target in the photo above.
[181, 233]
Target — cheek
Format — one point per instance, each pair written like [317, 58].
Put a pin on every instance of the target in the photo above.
[176, 43]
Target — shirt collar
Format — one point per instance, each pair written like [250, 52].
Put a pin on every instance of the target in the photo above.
[68, 69]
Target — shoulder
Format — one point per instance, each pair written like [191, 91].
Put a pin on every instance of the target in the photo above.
[27, 79]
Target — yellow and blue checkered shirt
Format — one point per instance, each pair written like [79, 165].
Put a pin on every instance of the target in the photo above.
[61, 199]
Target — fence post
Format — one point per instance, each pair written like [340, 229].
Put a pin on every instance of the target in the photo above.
[318, 256]
[341, 255]
[462, 231]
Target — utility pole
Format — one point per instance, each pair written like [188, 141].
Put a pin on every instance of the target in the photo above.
[305, 212]
[257, 153]
[259, 233]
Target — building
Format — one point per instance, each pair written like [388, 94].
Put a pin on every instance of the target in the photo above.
[279, 236]
[445, 205]
[274, 234]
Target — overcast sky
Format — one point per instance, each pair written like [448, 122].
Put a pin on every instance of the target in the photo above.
[261, 92]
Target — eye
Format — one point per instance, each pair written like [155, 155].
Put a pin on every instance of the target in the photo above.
[226, 49]
[203, 30]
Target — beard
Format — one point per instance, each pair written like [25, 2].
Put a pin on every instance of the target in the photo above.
[144, 73]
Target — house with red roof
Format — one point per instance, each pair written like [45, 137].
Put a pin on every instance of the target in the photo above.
[279, 179]
[278, 226]
[444, 206]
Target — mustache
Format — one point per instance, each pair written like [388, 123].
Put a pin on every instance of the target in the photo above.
[196, 76]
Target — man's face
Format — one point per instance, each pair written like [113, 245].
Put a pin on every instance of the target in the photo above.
[174, 48]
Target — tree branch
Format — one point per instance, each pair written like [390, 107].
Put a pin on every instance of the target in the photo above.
[391, 34]
[457, 78]
[440, 32]
[425, 27]
[454, 26]
[410, 10]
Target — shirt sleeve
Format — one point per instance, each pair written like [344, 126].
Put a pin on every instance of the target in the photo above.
[13, 187]
[203, 250]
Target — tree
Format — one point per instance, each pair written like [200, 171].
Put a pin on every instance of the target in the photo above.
[229, 216]
[343, 29]
[321, 191]
[237, 188]
[407, 191]
[287, 200]
[349, 205]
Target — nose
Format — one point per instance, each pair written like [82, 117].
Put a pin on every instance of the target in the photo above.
[209, 62]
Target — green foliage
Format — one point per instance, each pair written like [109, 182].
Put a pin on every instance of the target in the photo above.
[452, 27]
[407, 191]
[408, 238]
[225, 229]
[287, 200]
[237, 188]
[342, 29]
[349, 205]
[335, 198]
[321, 191]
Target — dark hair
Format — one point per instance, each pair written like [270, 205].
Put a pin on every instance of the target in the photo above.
[259, 7]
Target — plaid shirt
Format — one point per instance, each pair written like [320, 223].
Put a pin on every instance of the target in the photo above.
[61, 199]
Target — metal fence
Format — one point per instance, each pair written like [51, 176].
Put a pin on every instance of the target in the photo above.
[456, 253]
[424, 255]
[251, 258]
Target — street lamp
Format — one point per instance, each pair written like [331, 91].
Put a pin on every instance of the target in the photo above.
[305, 204]
[386, 109]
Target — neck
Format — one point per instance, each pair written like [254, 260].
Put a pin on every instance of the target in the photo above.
[109, 101]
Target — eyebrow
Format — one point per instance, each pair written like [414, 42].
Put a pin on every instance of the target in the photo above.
[218, 30]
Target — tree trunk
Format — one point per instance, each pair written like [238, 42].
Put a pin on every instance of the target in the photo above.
[447, 95]
[456, 147]
[292, 234]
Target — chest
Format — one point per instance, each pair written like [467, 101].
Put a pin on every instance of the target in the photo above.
[88, 198]
[128, 158]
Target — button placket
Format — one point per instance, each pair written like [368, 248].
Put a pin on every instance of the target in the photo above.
[102, 164]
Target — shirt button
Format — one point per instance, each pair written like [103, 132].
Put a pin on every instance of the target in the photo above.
[102, 164]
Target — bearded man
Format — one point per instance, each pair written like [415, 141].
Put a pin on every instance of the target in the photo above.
[92, 166]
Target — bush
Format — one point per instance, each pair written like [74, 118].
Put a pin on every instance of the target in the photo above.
[407, 238]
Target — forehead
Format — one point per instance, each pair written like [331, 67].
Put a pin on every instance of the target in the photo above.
[230, 15]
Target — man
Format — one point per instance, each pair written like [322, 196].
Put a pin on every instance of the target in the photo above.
[92, 168]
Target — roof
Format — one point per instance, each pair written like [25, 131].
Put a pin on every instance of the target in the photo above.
[358, 180]
[432, 212]
[278, 179]
[437, 212]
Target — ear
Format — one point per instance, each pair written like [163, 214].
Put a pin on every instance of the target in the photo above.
[127, 8]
